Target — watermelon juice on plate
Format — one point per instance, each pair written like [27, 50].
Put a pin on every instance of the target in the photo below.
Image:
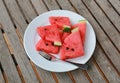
[86, 41]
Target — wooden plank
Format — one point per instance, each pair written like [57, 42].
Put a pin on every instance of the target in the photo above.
[105, 66]
[16, 15]
[101, 36]
[43, 74]
[1, 78]
[63, 78]
[116, 5]
[110, 12]
[7, 62]
[110, 30]
[18, 51]
[95, 75]
[39, 6]
[65, 5]
[51, 4]
[25, 7]
[79, 76]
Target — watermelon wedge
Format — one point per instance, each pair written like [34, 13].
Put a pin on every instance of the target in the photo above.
[60, 21]
[50, 33]
[82, 28]
[72, 46]
[46, 46]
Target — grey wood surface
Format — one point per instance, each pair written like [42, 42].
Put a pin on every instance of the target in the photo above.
[39, 6]
[104, 22]
[63, 78]
[17, 17]
[7, 62]
[79, 76]
[19, 52]
[116, 5]
[109, 11]
[42, 73]
[1, 78]
[105, 66]
[104, 16]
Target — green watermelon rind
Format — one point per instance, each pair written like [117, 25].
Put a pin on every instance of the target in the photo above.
[66, 28]
[75, 29]
[57, 43]
[82, 21]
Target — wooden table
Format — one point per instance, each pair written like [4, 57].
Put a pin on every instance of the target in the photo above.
[16, 67]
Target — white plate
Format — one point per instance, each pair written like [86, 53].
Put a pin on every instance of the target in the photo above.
[31, 38]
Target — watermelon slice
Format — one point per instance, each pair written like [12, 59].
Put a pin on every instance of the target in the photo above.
[60, 21]
[50, 33]
[46, 46]
[82, 28]
[72, 46]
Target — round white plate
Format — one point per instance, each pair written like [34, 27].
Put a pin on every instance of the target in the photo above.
[31, 38]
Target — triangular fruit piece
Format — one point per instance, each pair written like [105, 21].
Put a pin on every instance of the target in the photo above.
[82, 28]
[72, 46]
[60, 21]
[46, 46]
[50, 33]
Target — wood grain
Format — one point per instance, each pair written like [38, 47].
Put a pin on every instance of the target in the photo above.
[16, 15]
[7, 62]
[19, 52]
[63, 77]
[105, 66]
[26, 6]
[79, 76]
[1, 78]
[64, 4]
[110, 30]
[39, 6]
[110, 12]
[46, 76]
[51, 4]
[94, 73]
[116, 5]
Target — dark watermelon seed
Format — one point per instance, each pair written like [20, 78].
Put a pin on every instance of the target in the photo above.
[67, 48]
[53, 44]
[72, 49]
[46, 44]
[45, 29]
[55, 19]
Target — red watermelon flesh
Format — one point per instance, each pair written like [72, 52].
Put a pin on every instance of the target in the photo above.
[65, 34]
[46, 46]
[82, 28]
[72, 46]
[49, 32]
[60, 21]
